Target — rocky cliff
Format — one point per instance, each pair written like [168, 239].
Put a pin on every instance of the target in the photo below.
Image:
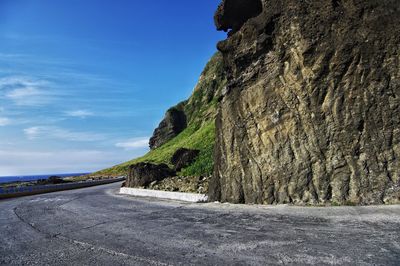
[311, 113]
[184, 139]
[173, 123]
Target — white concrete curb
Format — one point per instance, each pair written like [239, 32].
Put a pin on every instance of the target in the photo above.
[190, 197]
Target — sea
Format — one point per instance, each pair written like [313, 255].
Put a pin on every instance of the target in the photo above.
[8, 179]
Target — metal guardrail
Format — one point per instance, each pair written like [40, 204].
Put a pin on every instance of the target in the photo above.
[40, 189]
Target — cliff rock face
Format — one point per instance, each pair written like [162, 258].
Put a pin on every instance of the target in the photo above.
[190, 125]
[198, 109]
[143, 174]
[311, 113]
[173, 123]
[183, 157]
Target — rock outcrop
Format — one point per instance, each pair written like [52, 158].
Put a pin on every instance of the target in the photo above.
[311, 114]
[189, 125]
[52, 180]
[231, 15]
[196, 111]
[143, 174]
[173, 123]
[183, 157]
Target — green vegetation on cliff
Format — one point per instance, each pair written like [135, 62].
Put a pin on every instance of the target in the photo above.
[200, 110]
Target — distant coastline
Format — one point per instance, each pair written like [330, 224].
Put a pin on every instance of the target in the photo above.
[26, 178]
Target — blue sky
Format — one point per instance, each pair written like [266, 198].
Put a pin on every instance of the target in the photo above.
[83, 84]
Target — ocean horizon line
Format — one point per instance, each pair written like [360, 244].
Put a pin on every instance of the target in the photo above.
[16, 178]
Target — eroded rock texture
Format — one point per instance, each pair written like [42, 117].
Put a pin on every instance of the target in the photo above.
[183, 157]
[173, 123]
[311, 113]
[232, 14]
[143, 174]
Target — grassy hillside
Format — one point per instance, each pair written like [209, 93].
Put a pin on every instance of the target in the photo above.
[200, 110]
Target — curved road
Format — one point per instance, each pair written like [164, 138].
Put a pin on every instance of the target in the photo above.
[96, 226]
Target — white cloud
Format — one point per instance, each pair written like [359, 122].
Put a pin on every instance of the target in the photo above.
[50, 132]
[28, 96]
[132, 144]
[26, 91]
[4, 121]
[79, 113]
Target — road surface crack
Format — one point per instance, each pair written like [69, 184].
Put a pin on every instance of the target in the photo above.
[91, 247]
[31, 225]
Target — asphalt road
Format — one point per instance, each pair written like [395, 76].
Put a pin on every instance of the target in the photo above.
[95, 226]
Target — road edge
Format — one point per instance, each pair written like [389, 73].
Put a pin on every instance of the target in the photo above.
[181, 196]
